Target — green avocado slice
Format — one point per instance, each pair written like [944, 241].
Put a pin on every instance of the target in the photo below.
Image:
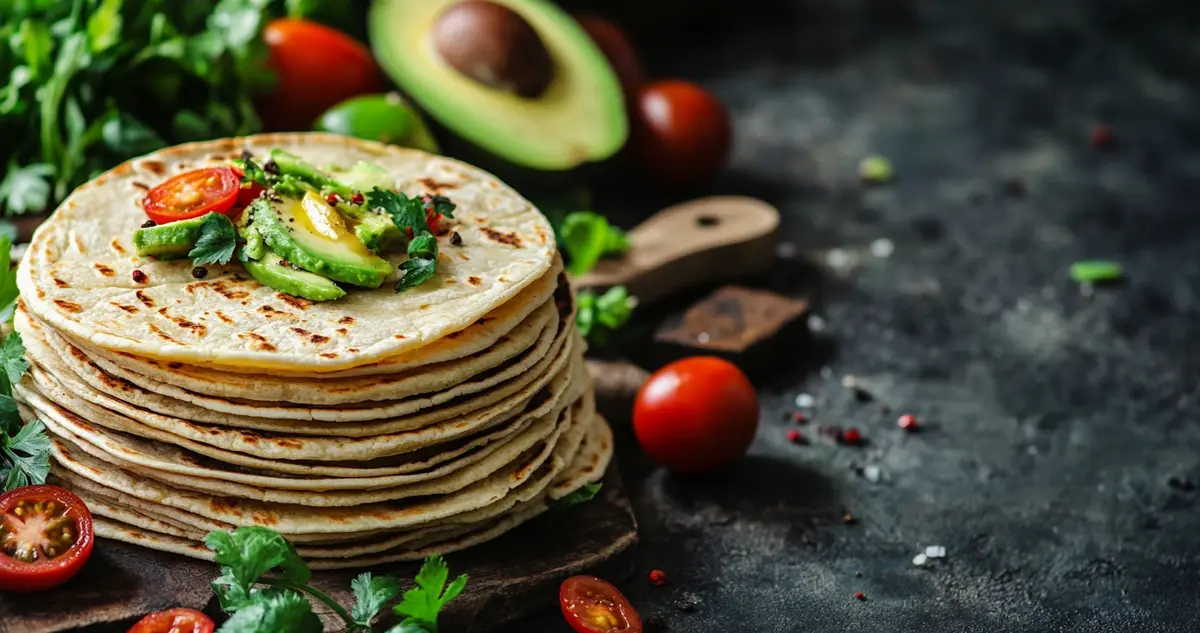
[578, 119]
[168, 241]
[312, 235]
[271, 270]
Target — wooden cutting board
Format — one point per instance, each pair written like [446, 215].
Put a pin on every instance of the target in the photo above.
[510, 578]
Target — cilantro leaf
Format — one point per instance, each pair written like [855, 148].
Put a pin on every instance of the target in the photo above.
[217, 242]
[12, 358]
[422, 603]
[586, 237]
[25, 456]
[272, 612]
[370, 594]
[408, 214]
[421, 263]
[597, 317]
[408, 626]
[584, 494]
[252, 551]
[1096, 271]
[441, 205]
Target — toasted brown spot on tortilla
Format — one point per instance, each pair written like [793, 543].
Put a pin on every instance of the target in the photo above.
[196, 328]
[424, 306]
[223, 288]
[104, 270]
[450, 281]
[329, 354]
[144, 298]
[116, 246]
[296, 302]
[174, 365]
[41, 293]
[301, 331]
[463, 256]
[222, 316]
[129, 309]
[68, 306]
[343, 331]
[399, 337]
[501, 279]
[346, 320]
[272, 312]
[155, 167]
[286, 443]
[433, 186]
[257, 341]
[454, 334]
[508, 239]
[474, 281]
[60, 283]
[140, 185]
[541, 235]
[317, 339]
[78, 243]
[160, 334]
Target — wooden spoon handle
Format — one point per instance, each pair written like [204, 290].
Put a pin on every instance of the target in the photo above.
[697, 242]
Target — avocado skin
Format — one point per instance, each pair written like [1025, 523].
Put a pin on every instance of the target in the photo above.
[168, 241]
[270, 271]
[275, 232]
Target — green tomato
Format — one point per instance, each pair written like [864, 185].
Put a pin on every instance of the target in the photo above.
[386, 118]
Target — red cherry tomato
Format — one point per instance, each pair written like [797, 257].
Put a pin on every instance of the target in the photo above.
[316, 68]
[617, 48]
[591, 605]
[174, 621]
[696, 414]
[193, 194]
[682, 133]
[45, 537]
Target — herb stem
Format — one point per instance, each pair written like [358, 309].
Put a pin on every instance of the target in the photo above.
[351, 624]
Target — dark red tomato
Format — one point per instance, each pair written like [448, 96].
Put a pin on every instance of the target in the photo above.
[45, 537]
[591, 605]
[696, 414]
[682, 133]
[613, 42]
[192, 194]
[174, 621]
[316, 68]
[247, 192]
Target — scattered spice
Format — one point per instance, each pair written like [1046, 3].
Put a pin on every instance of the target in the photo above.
[271, 167]
[688, 602]
[333, 199]
[799, 417]
[1096, 271]
[199, 272]
[358, 198]
[149, 223]
[860, 596]
[858, 574]
[851, 437]
[849, 519]
[455, 239]
[876, 169]
[658, 577]
[1181, 483]
[139, 277]
[795, 437]
[284, 262]
[1102, 137]
[908, 422]
[1015, 188]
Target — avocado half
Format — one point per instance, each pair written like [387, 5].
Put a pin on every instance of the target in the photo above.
[578, 119]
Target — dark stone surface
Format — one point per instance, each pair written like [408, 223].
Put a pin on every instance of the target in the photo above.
[1053, 419]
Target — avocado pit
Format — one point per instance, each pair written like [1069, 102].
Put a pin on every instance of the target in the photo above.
[493, 45]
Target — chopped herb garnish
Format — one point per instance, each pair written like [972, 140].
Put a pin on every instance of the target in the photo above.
[422, 603]
[407, 213]
[597, 317]
[24, 449]
[441, 205]
[876, 169]
[217, 242]
[421, 263]
[1096, 271]
[583, 495]
[586, 237]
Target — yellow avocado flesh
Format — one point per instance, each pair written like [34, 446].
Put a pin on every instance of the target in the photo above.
[580, 118]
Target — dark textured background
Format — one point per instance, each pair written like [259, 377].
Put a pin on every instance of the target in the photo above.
[1054, 419]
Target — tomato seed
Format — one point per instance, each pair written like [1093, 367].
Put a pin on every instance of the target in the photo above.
[860, 596]
[794, 436]
[658, 577]
[139, 277]
[908, 422]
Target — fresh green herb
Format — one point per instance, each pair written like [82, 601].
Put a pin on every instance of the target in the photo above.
[8, 277]
[583, 495]
[422, 603]
[25, 456]
[217, 242]
[441, 205]
[876, 169]
[586, 237]
[407, 213]
[263, 580]
[597, 317]
[252, 173]
[26, 189]
[421, 263]
[1096, 271]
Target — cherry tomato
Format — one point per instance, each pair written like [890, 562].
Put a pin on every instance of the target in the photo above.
[247, 193]
[696, 414]
[682, 133]
[591, 605]
[45, 537]
[316, 67]
[192, 194]
[613, 42]
[174, 621]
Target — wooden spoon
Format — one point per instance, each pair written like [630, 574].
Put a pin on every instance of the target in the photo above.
[693, 243]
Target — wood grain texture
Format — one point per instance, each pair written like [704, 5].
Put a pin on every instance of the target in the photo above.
[510, 578]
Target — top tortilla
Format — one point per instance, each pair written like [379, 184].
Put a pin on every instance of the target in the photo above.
[78, 272]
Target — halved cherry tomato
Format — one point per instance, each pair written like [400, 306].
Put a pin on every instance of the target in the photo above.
[174, 621]
[247, 193]
[193, 194]
[591, 605]
[433, 219]
[696, 414]
[45, 537]
[316, 68]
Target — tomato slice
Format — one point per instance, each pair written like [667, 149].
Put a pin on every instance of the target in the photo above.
[174, 621]
[592, 605]
[45, 537]
[193, 194]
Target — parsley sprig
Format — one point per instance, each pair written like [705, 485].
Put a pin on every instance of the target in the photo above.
[217, 241]
[599, 316]
[263, 580]
[586, 237]
[24, 448]
[410, 215]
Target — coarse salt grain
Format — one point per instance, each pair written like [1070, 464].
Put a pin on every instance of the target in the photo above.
[919, 559]
[872, 474]
[935, 551]
[882, 247]
[805, 401]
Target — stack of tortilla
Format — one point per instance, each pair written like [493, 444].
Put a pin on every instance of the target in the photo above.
[378, 427]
